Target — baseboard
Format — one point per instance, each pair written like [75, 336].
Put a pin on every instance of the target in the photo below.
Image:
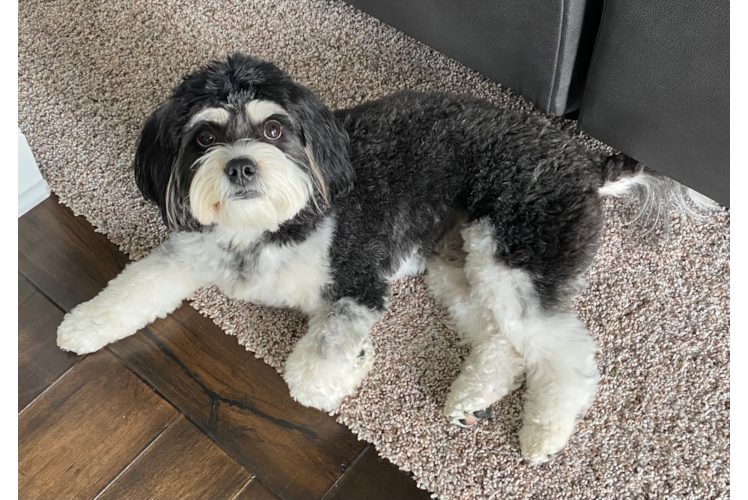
[32, 196]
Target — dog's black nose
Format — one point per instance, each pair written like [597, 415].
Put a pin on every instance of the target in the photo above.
[240, 170]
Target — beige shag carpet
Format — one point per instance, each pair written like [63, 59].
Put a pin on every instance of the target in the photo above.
[90, 72]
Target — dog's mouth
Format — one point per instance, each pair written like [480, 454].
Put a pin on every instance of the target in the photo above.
[241, 189]
[239, 194]
[244, 193]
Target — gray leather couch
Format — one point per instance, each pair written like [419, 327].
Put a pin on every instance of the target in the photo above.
[649, 78]
[658, 88]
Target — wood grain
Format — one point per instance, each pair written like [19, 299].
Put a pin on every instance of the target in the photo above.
[182, 463]
[76, 437]
[25, 289]
[40, 361]
[242, 403]
[256, 491]
[376, 478]
[63, 256]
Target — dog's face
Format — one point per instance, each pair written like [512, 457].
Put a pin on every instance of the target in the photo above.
[239, 144]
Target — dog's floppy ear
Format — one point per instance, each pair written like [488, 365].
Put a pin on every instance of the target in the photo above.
[156, 152]
[326, 144]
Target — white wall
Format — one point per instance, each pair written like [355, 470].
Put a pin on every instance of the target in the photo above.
[32, 188]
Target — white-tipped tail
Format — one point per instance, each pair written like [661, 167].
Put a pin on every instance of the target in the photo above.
[657, 194]
[623, 186]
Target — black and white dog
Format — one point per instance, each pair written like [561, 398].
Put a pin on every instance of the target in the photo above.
[278, 200]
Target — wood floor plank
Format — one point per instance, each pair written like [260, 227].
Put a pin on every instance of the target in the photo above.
[256, 491]
[77, 436]
[182, 463]
[63, 256]
[242, 403]
[25, 289]
[376, 478]
[40, 361]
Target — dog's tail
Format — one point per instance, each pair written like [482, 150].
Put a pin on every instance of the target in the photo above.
[622, 176]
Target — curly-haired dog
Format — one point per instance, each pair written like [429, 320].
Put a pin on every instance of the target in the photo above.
[278, 200]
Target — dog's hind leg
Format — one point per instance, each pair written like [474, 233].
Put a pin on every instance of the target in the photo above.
[493, 368]
[558, 351]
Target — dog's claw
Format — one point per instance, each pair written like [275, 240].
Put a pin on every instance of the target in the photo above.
[483, 413]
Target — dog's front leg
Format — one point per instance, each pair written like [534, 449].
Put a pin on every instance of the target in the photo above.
[335, 355]
[145, 290]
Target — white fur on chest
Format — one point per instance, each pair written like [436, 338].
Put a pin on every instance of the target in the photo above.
[291, 275]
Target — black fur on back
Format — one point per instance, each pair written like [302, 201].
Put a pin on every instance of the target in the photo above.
[419, 158]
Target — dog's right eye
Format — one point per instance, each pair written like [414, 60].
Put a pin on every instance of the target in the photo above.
[205, 137]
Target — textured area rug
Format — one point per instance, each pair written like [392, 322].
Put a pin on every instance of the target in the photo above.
[89, 74]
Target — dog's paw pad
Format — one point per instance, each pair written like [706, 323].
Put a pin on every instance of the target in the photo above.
[469, 420]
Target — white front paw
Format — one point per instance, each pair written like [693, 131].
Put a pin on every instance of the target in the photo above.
[86, 329]
[322, 382]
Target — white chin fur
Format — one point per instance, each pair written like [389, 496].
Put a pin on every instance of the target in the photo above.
[283, 188]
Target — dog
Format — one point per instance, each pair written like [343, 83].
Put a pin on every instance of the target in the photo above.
[279, 200]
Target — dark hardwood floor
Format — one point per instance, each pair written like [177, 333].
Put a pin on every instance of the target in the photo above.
[179, 410]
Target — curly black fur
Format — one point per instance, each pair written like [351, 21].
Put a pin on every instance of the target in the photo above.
[420, 157]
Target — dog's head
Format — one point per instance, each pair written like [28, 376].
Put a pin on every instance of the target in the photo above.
[239, 144]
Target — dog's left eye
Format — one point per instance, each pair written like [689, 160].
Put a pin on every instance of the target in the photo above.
[205, 137]
[273, 130]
